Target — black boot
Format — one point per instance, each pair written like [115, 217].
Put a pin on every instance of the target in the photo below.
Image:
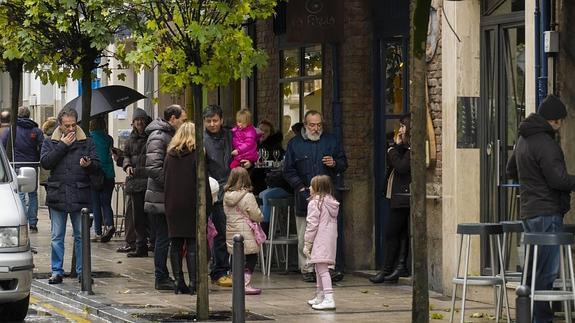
[180, 286]
[401, 269]
[379, 278]
[191, 263]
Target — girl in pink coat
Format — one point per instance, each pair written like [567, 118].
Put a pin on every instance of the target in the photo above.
[244, 139]
[321, 239]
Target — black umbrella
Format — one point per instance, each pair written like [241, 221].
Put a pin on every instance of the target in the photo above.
[107, 99]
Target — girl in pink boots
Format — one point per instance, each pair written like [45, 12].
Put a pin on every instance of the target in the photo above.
[241, 207]
[321, 239]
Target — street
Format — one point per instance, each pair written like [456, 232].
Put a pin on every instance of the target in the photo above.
[45, 309]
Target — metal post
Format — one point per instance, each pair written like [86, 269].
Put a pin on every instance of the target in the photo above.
[523, 304]
[238, 293]
[86, 254]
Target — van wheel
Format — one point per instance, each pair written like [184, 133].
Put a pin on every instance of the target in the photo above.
[16, 311]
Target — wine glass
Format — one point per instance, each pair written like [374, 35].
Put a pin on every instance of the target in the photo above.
[276, 154]
[265, 155]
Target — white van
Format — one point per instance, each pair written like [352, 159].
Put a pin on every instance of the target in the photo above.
[16, 263]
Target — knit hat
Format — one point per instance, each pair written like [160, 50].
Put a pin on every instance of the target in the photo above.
[552, 108]
[139, 113]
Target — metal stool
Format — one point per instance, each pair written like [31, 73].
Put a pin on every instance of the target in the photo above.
[559, 239]
[493, 232]
[284, 239]
[510, 227]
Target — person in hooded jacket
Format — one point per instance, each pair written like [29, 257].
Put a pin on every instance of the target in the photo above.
[27, 146]
[160, 133]
[397, 228]
[545, 189]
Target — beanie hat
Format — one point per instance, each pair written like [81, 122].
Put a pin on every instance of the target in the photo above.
[139, 113]
[552, 108]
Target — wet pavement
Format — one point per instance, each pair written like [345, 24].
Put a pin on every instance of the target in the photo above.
[124, 291]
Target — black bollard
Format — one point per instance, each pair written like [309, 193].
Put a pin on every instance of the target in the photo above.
[238, 293]
[86, 254]
[523, 304]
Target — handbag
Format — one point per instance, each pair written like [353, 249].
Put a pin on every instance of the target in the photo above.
[212, 233]
[259, 234]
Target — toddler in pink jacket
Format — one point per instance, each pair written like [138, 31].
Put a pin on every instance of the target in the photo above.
[321, 239]
[244, 139]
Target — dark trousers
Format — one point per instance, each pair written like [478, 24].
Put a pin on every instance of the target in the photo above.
[141, 221]
[251, 261]
[184, 248]
[220, 258]
[129, 228]
[162, 247]
[396, 233]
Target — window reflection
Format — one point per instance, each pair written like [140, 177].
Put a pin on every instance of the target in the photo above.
[312, 60]
[393, 77]
[290, 64]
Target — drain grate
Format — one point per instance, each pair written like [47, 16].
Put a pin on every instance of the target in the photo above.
[95, 274]
[191, 316]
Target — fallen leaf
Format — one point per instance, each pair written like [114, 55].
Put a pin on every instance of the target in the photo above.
[477, 315]
[436, 316]
[365, 291]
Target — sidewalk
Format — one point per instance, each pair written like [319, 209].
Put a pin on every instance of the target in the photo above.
[124, 291]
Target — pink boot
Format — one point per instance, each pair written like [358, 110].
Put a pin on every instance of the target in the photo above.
[248, 283]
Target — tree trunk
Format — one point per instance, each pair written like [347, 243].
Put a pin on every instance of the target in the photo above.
[202, 299]
[86, 97]
[418, 37]
[15, 70]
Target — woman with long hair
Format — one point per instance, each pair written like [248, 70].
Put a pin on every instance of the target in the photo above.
[180, 203]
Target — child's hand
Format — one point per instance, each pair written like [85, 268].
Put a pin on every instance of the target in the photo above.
[234, 152]
[307, 249]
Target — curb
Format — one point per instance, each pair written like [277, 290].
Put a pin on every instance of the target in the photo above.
[95, 305]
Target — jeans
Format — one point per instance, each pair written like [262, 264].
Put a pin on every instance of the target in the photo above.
[102, 206]
[220, 258]
[59, 219]
[270, 193]
[548, 262]
[161, 248]
[30, 208]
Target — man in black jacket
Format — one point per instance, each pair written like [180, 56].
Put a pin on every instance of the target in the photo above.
[160, 133]
[539, 164]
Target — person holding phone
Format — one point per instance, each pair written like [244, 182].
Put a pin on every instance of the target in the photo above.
[71, 157]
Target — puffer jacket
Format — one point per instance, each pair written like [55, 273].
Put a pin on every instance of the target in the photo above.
[245, 141]
[321, 229]
[218, 148]
[160, 133]
[28, 142]
[68, 186]
[238, 205]
[135, 157]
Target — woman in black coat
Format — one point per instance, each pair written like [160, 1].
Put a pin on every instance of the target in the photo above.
[397, 228]
[180, 203]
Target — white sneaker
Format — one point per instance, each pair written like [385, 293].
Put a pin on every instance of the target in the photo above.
[328, 303]
[317, 299]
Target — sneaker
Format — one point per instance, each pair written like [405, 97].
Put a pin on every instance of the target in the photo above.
[224, 281]
[126, 248]
[96, 238]
[33, 229]
[317, 299]
[309, 277]
[108, 234]
[328, 303]
[56, 279]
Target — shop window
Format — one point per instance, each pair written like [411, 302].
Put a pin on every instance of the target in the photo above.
[300, 83]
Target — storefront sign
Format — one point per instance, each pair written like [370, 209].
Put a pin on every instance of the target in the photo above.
[314, 21]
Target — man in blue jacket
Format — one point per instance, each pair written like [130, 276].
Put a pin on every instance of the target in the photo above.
[26, 153]
[313, 153]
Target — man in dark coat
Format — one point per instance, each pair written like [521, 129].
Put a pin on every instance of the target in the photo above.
[160, 133]
[545, 188]
[71, 157]
[27, 148]
[311, 154]
[218, 147]
[134, 164]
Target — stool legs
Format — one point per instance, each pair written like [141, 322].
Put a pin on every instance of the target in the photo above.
[464, 296]
[454, 292]
[570, 259]
[504, 283]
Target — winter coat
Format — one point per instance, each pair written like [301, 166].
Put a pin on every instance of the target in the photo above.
[303, 161]
[245, 141]
[104, 143]
[180, 189]
[539, 164]
[238, 205]
[135, 157]
[160, 134]
[218, 149]
[28, 142]
[43, 173]
[399, 161]
[321, 229]
[68, 187]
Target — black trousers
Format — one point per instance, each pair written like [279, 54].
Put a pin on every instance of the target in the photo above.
[397, 229]
[141, 221]
[220, 258]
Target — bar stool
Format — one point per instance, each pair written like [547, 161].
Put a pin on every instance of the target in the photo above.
[509, 228]
[284, 238]
[493, 232]
[559, 239]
